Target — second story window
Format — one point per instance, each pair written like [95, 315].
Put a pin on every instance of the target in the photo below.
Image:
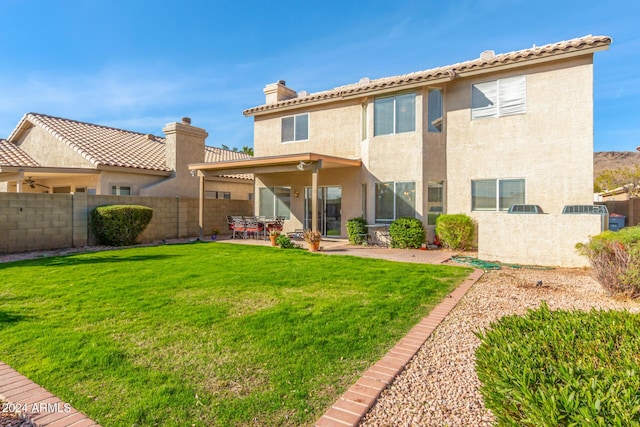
[295, 128]
[394, 114]
[435, 110]
[498, 98]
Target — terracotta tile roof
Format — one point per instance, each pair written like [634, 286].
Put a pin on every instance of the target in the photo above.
[449, 71]
[214, 154]
[102, 145]
[12, 155]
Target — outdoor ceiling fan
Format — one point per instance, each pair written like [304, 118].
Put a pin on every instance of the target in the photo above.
[31, 183]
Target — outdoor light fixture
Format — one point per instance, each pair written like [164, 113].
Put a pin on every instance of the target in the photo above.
[192, 172]
[296, 193]
[302, 165]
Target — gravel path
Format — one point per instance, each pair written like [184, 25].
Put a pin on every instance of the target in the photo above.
[439, 387]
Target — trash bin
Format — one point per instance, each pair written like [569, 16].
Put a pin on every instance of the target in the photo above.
[616, 221]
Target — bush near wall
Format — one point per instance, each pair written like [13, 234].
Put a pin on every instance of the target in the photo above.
[356, 230]
[455, 231]
[119, 225]
[562, 368]
[407, 233]
[615, 258]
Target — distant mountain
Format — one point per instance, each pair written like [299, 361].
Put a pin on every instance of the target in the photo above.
[614, 160]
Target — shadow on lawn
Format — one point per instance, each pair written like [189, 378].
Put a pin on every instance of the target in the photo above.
[70, 260]
[9, 318]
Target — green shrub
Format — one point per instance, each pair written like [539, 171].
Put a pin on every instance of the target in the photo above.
[284, 242]
[355, 230]
[119, 225]
[455, 231]
[407, 233]
[562, 368]
[615, 258]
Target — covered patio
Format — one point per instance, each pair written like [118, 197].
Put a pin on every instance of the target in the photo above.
[296, 171]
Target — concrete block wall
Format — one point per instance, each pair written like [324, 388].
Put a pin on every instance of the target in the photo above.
[52, 221]
[547, 240]
[35, 221]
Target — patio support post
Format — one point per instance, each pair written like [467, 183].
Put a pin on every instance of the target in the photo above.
[314, 197]
[19, 181]
[201, 207]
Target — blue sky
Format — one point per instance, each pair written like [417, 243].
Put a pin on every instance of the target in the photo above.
[139, 64]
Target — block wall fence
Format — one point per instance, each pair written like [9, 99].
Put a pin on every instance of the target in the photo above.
[52, 221]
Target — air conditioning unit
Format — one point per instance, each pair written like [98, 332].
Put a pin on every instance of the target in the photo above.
[589, 210]
[525, 209]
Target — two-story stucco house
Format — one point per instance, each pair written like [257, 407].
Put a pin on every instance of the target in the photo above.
[46, 154]
[474, 137]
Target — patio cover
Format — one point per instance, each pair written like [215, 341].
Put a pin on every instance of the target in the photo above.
[272, 164]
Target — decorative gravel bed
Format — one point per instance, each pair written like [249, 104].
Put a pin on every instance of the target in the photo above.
[440, 387]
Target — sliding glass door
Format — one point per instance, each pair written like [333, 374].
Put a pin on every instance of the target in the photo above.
[329, 210]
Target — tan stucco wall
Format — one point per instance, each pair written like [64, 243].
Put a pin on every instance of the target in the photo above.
[239, 189]
[47, 150]
[137, 182]
[336, 129]
[547, 240]
[550, 146]
[324, 121]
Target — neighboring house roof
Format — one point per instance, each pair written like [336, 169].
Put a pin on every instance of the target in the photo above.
[102, 145]
[448, 72]
[12, 155]
[214, 154]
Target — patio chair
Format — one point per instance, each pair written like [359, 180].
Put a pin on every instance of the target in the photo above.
[253, 228]
[239, 228]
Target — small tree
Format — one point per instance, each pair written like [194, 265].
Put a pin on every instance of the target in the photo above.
[455, 231]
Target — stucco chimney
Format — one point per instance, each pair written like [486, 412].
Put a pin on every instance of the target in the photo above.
[278, 91]
[184, 144]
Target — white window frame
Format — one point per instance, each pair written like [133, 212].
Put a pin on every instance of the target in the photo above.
[277, 204]
[395, 116]
[116, 190]
[394, 185]
[497, 181]
[499, 98]
[295, 118]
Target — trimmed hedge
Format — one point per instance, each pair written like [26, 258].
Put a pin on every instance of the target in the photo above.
[355, 229]
[615, 258]
[407, 233]
[562, 368]
[455, 231]
[119, 225]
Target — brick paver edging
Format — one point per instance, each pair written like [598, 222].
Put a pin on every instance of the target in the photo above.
[37, 404]
[356, 402]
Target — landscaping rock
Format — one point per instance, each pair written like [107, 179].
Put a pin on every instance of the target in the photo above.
[439, 386]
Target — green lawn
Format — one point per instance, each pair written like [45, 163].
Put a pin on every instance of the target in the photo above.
[208, 334]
